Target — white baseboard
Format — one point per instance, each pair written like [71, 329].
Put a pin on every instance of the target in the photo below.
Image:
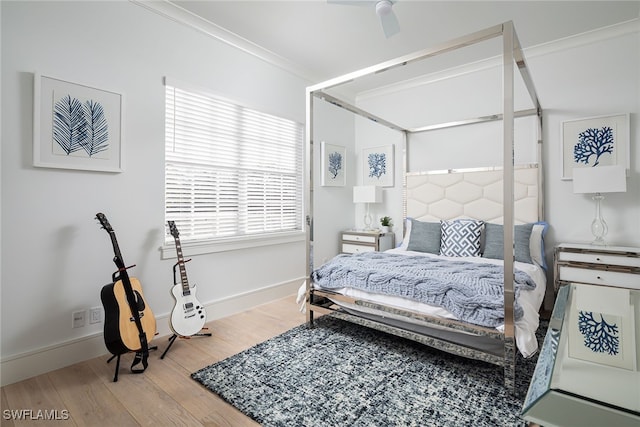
[29, 364]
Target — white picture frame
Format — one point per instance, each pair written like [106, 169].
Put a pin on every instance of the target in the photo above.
[602, 327]
[76, 126]
[333, 159]
[605, 140]
[378, 166]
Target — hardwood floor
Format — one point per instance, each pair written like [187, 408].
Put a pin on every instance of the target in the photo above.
[85, 394]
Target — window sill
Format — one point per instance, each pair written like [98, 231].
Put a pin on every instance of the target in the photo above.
[237, 243]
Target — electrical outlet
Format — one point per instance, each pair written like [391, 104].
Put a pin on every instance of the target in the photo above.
[95, 315]
[78, 319]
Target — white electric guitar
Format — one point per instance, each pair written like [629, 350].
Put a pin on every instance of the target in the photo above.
[188, 316]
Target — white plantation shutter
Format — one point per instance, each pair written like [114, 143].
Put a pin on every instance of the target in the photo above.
[230, 171]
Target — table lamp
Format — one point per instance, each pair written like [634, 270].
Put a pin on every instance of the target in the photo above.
[598, 180]
[367, 194]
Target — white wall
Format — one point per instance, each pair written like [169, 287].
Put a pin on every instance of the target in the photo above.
[55, 258]
[588, 75]
[333, 208]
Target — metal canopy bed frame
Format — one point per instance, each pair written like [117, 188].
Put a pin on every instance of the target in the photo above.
[321, 301]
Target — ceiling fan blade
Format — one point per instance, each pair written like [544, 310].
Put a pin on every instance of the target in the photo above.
[390, 24]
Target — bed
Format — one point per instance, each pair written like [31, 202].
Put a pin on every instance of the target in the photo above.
[495, 229]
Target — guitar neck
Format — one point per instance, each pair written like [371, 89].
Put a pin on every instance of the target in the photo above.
[183, 270]
[117, 259]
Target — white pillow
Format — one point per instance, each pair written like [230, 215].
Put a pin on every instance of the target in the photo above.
[536, 243]
[407, 234]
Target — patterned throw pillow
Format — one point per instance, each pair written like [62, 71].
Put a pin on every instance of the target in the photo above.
[461, 237]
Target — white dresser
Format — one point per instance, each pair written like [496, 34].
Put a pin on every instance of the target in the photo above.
[599, 265]
[354, 242]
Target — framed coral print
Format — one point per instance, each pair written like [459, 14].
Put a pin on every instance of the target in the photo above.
[76, 126]
[333, 167]
[602, 326]
[378, 166]
[593, 142]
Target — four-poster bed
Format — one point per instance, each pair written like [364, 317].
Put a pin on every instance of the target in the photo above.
[518, 190]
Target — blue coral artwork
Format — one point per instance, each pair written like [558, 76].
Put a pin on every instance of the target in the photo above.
[589, 143]
[593, 143]
[603, 338]
[333, 165]
[600, 335]
[378, 166]
[600, 327]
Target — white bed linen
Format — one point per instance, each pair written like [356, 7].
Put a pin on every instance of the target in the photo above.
[529, 300]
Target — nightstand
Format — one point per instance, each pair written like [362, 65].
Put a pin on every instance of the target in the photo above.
[355, 242]
[599, 265]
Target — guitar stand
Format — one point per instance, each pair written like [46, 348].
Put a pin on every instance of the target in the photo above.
[115, 375]
[173, 337]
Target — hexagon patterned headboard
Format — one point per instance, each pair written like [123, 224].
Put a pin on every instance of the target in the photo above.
[472, 194]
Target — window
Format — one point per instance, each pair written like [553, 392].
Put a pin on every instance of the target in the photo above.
[230, 171]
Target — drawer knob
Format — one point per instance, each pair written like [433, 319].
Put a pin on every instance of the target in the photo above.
[597, 259]
[599, 278]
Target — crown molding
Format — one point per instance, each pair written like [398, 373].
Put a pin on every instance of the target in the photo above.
[612, 31]
[182, 16]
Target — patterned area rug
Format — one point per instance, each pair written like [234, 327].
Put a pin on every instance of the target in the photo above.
[340, 374]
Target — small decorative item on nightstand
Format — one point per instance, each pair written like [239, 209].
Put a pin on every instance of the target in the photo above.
[386, 223]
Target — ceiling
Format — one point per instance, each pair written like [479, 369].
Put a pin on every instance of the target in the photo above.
[326, 40]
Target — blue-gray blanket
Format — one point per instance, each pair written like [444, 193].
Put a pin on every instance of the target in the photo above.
[473, 292]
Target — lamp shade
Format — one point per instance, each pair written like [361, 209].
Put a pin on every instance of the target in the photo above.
[600, 179]
[367, 194]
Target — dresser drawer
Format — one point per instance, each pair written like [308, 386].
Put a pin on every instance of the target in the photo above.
[599, 277]
[349, 248]
[359, 238]
[596, 258]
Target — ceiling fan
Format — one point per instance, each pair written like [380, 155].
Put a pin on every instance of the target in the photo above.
[384, 10]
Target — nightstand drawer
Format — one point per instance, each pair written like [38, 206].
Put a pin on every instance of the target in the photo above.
[359, 238]
[599, 277]
[596, 258]
[348, 248]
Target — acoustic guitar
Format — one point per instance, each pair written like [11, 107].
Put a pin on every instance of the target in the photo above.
[188, 315]
[129, 323]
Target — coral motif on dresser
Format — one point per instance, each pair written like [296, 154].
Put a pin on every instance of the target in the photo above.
[600, 336]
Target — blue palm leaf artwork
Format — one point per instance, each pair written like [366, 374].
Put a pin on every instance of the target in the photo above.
[80, 127]
[97, 130]
[599, 336]
[69, 124]
[593, 142]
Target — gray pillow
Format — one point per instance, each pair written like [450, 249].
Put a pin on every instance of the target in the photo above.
[425, 237]
[493, 242]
